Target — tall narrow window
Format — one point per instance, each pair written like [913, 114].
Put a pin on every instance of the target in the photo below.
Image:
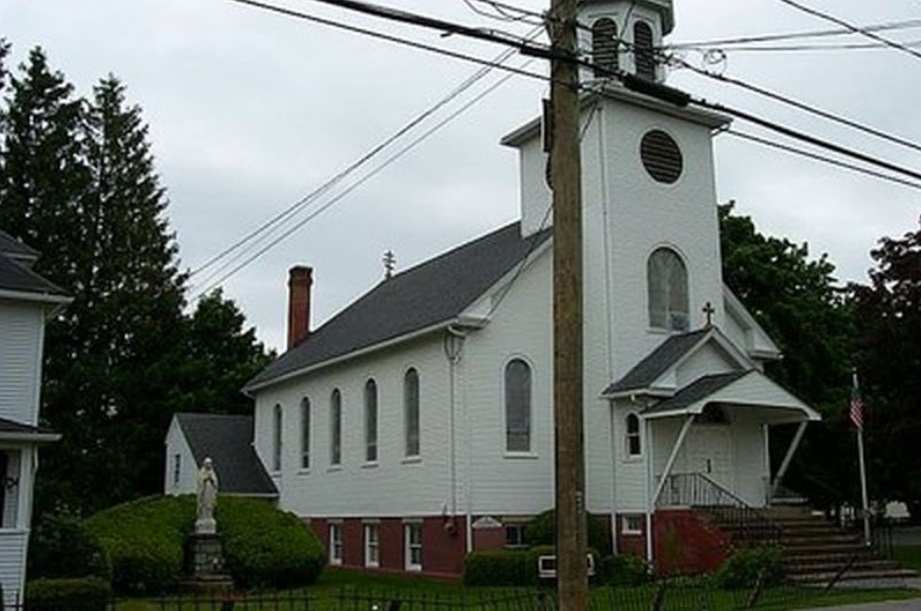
[642, 44]
[335, 543]
[370, 421]
[276, 438]
[372, 545]
[633, 436]
[604, 47]
[411, 411]
[517, 406]
[412, 549]
[177, 469]
[668, 291]
[305, 433]
[335, 428]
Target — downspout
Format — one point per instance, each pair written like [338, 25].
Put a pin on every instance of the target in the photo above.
[613, 509]
[794, 445]
[454, 348]
[650, 504]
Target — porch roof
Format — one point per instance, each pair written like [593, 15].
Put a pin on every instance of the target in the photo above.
[748, 389]
[10, 430]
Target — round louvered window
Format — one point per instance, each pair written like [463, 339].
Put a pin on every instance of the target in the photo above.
[661, 156]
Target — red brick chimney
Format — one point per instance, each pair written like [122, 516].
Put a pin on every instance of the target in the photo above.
[300, 279]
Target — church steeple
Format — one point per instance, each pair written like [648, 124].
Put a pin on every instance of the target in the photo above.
[623, 35]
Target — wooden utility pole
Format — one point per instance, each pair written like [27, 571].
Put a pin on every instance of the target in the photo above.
[566, 178]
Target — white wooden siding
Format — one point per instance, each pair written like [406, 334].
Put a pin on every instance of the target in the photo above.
[176, 443]
[21, 328]
[13, 564]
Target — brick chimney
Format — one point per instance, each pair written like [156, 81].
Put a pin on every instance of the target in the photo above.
[300, 280]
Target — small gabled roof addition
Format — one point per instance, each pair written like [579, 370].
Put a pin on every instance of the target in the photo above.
[228, 441]
[430, 294]
[667, 355]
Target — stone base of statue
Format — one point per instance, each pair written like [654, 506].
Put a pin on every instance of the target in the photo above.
[205, 565]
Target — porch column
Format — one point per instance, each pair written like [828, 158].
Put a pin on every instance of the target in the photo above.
[794, 445]
[672, 458]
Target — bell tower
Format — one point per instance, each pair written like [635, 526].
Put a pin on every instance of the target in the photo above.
[624, 35]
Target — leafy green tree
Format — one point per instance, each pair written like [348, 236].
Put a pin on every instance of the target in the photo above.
[798, 302]
[889, 309]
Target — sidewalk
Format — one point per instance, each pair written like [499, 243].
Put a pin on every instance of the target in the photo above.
[892, 605]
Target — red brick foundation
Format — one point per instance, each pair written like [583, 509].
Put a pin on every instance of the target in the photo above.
[684, 542]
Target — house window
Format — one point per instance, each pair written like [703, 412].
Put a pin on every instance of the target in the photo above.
[514, 536]
[335, 543]
[634, 447]
[412, 535]
[517, 406]
[642, 44]
[411, 411]
[372, 545]
[632, 524]
[604, 47]
[370, 421]
[335, 428]
[668, 291]
[276, 438]
[305, 433]
[177, 469]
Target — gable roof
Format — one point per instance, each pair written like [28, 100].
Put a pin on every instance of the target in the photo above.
[658, 362]
[694, 392]
[227, 440]
[18, 279]
[432, 293]
[15, 249]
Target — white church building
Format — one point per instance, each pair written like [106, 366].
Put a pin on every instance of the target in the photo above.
[417, 424]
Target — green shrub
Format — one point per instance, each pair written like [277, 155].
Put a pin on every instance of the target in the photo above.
[742, 568]
[624, 570]
[497, 568]
[541, 530]
[265, 547]
[76, 594]
[262, 546]
[60, 546]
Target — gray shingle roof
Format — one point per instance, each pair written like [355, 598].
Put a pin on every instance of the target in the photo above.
[431, 293]
[694, 392]
[11, 426]
[658, 362]
[227, 440]
[16, 249]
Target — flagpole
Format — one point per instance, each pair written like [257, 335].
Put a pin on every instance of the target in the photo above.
[857, 418]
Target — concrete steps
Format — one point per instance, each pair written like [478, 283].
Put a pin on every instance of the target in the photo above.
[815, 551]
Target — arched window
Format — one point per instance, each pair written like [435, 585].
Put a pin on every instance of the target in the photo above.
[335, 428]
[642, 46]
[411, 412]
[634, 445]
[517, 406]
[276, 438]
[604, 47]
[668, 291]
[305, 433]
[371, 421]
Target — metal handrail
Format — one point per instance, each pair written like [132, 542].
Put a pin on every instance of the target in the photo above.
[698, 490]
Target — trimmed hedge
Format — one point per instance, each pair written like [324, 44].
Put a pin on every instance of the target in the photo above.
[742, 568]
[78, 594]
[624, 570]
[497, 568]
[263, 547]
[60, 546]
[541, 530]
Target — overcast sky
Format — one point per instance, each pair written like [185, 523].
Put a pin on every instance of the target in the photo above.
[249, 111]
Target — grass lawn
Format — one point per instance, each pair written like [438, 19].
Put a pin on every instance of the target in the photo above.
[343, 590]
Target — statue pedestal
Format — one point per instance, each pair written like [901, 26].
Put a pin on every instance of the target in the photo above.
[205, 562]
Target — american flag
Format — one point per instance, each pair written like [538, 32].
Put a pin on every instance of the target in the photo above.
[856, 410]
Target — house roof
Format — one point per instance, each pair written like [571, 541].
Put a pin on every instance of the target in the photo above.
[660, 360]
[17, 431]
[14, 248]
[227, 440]
[431, 293]
[694, 392]
[15, 277]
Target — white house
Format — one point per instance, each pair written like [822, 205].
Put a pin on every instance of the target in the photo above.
[26, 300]
[417, 424]
[225, 439]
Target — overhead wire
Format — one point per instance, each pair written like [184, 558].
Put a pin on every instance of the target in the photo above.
[855, 29]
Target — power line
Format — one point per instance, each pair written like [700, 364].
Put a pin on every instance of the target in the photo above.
[798, 105]
[823, 158]
[857, 30]
[741, 40]
[854, 46]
